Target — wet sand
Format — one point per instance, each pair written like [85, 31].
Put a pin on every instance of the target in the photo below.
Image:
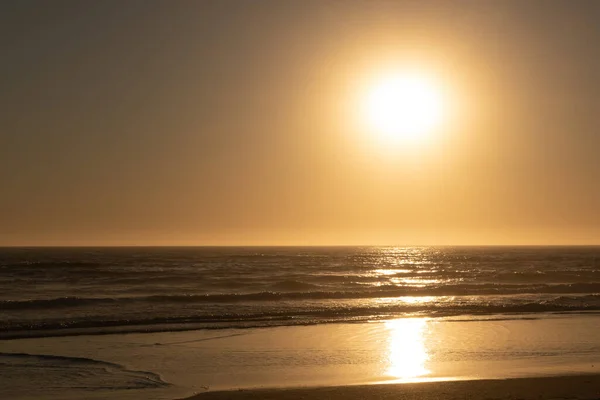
[564, 387]
[451, 358]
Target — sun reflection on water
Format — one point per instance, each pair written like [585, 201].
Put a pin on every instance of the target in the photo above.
[407, 351]
[395, 271]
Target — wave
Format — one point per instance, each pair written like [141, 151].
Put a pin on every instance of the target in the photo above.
[88, 373]
[291, 286]
[297, 316]
[60, 302]
[382, 292]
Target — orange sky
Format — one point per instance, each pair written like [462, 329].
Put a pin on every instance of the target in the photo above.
[238, 123]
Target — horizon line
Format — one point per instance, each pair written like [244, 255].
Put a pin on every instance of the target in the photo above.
[290, 245]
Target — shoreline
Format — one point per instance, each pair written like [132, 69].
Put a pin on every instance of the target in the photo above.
[214, 327]
[494, 359]
[586, 386]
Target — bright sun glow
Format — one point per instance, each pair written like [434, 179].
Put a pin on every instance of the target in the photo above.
[404, 107]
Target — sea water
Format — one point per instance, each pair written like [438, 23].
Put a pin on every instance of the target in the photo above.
[423, 306]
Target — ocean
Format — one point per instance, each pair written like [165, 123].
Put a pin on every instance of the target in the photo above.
[165, 323]
[70, 291]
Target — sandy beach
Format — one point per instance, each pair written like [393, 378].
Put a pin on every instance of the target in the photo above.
[564, 387]
[555, 357]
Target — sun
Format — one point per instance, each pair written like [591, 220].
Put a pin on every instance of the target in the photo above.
[404, 107]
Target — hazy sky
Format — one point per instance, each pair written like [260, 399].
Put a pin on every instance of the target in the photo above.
[235, 122]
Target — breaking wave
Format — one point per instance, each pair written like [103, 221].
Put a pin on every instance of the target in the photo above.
[299, 316]
[448, 290]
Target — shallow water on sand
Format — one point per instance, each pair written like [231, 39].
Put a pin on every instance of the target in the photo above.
[400, 350]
